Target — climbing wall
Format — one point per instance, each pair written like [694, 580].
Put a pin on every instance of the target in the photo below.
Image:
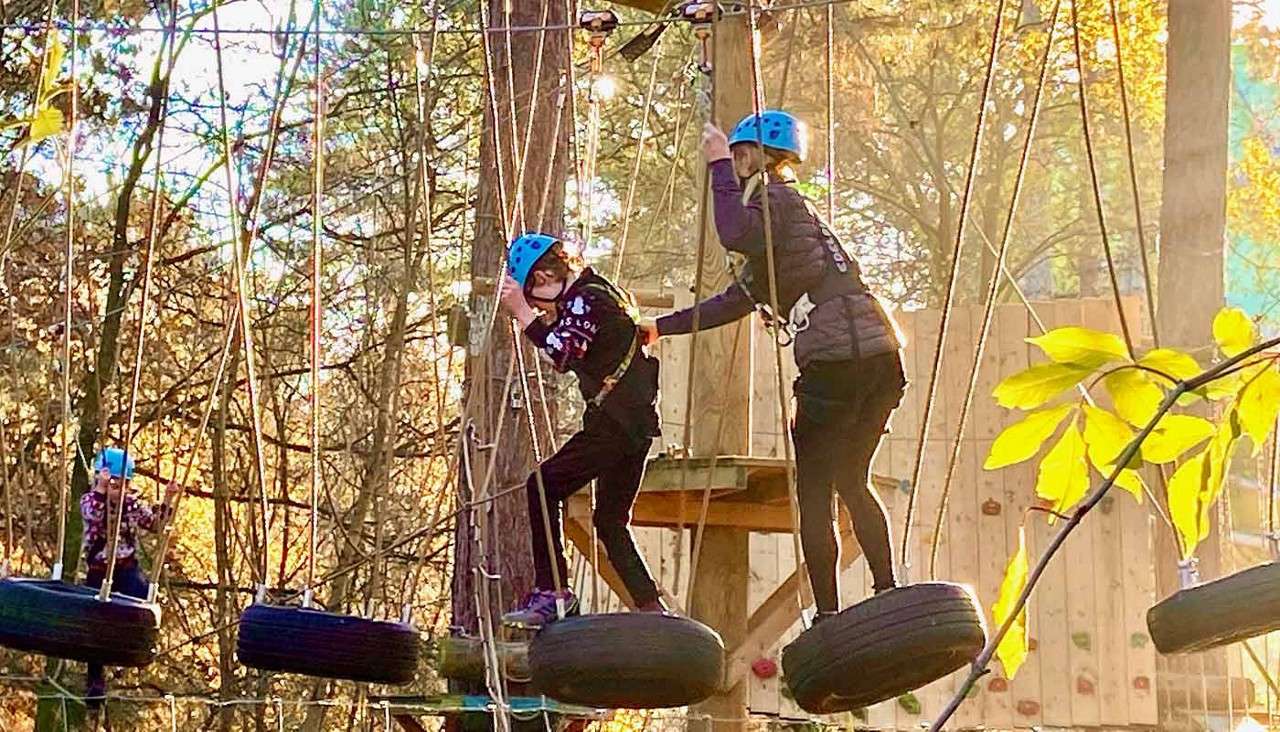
[1091, 663]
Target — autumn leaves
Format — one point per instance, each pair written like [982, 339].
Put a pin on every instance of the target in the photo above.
[1090, 438]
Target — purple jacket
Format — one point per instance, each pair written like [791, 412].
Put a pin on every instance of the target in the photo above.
[847, 322]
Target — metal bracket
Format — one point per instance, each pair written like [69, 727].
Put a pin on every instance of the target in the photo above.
[701, 15]
[1189, 572]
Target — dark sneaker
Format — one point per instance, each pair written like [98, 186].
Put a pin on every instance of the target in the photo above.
[823, 615]
[541, 607]
[95, 693]
[658, 605]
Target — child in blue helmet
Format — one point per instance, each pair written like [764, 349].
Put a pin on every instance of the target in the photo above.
[846, 345]
[585, 324]
[112, 470]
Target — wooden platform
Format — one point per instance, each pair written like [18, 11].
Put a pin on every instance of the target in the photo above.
[746, 492]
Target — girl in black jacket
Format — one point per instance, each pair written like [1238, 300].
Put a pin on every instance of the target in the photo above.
[846, 345]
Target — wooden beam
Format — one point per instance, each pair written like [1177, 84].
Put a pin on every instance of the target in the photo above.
[668, 511]
[780, 611]
[408, 723]
[580, 535]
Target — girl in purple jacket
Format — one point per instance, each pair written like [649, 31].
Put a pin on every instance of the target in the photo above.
[846, 345]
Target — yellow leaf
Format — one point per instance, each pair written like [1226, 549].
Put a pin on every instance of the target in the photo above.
[1064, 475]
[1233, 331]
[1175, 363]
[1174, 435]
[49, 72]
[1022, 440]
[1033, 387]
[1258, 404]
[1184, 502]
[1012, 650]
[1135, 396]
[1128, 479]
[1081, 346]
[46, 123]
[1106, 435]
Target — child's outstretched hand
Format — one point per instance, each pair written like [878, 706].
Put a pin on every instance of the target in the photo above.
[715, 146]
[648, 332]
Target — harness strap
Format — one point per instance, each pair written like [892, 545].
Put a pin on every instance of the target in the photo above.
[627, 304]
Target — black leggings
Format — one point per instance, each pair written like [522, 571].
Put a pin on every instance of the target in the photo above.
[603, 452]
[843, 410]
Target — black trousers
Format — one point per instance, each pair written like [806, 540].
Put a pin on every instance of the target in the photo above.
[603, 452]
[843, 410]
[128, 580]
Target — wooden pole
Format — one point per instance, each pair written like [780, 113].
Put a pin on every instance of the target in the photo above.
[719, 598]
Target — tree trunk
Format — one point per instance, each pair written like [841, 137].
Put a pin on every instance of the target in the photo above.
[515, 65]
[1193, 223]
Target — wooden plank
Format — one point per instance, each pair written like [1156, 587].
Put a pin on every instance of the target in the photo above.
[1018, 486]
[1110, 641]
[762, 694]
[1057, 681]
[1139, 594]
[1082, 616]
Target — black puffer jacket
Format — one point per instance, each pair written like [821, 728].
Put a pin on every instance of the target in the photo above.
[847, 322]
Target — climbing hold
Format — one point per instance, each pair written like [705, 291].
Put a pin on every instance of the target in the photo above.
[53, 618]
[998, 685]
[328, 645]
[1142, 683]
[627, 661]
[1082, 641]
[991, 507]
[1138, 640]
[1028, 707]
[1213, 614]
[764, 668]
[910, 703]
[883, 647]
[1084, 686]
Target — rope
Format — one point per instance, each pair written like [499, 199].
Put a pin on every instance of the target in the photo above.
[104, 592]
[830, 84]
[989, 307]
[392, 32]
[317, 310]
[64, 488]
[784, 406]
[1147, 279]
[627, 210]
[1093, 178]
[949, 300]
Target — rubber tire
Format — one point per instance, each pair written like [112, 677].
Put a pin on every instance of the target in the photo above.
[56, 619]
[884, 647]
[627, 661]
[317, 643]
[1226, 610]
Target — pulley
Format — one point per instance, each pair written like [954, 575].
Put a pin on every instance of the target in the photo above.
[599, 24]
[700, 15]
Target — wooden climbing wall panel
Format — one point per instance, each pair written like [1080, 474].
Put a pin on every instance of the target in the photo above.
[1091, 663]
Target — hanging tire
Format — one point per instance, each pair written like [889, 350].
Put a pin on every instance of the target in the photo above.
[884, 647]
[56, 619]
[627, 661]
[311, 642]
[1226, 610]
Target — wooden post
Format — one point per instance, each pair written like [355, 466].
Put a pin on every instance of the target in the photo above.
[722, 390]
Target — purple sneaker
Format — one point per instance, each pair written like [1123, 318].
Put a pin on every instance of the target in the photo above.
[541, 607]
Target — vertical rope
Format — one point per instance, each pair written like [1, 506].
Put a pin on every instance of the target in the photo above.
[69, 185]
[829, 58]
[242, 241]
[989, 306]
[784, 405]
[949, 300]
[629, 208]
[1093, 178]
[317, 311]
[1148, 280]
[169, 39]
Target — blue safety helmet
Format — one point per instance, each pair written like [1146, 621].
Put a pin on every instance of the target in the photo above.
[525, 251]
[114, 460]
[777, 130]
